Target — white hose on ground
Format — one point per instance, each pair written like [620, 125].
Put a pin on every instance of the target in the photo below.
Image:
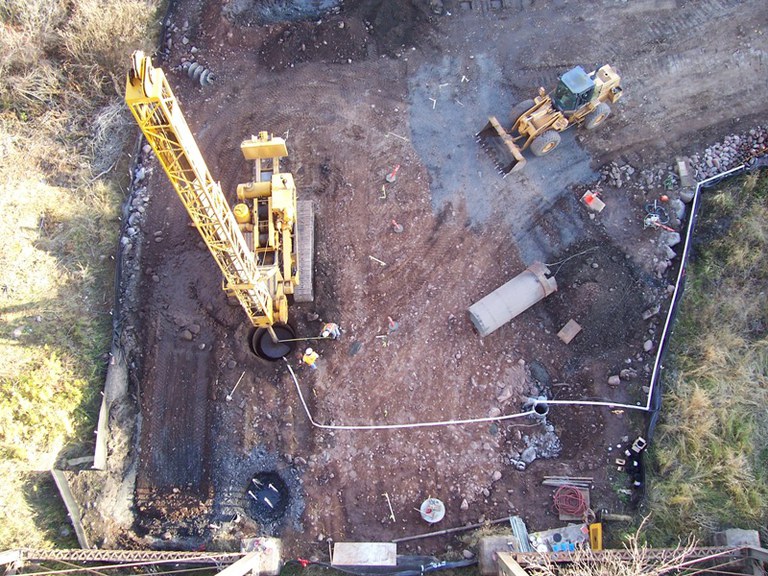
[532, 411]
[397, 426]
[683, 256]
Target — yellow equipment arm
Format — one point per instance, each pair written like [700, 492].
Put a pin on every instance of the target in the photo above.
[157, 112]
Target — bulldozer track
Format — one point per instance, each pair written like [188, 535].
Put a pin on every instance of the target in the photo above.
[174, 433]
[688, 19]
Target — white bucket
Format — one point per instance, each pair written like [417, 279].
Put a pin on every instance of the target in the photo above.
[432, 510]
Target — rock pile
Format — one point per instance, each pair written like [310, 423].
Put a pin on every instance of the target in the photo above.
[734, 150]
[540, 445]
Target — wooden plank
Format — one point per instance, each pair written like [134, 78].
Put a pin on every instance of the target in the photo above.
[569, 331]
[10, 557]
[508, 566]
[364, 554]
[242, 566]
[72, 508]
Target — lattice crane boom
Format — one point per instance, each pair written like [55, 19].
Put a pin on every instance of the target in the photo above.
[259, 289]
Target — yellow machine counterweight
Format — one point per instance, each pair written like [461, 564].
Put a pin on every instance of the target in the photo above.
[253, 244]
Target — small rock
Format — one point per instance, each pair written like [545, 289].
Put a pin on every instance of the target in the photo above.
[494, 411]
[614, 380]
[669, 238]
[648, 345]
[686, 195]
[468, 554]
[651, 312]
[528, 455]
[186, 335]
[678, 207]
[464, 505]
[628, 374]
[496, 476]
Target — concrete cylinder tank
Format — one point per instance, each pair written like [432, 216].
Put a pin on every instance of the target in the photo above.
[511, 299]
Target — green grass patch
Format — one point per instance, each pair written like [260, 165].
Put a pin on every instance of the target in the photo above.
[63, 134]
[709, 456]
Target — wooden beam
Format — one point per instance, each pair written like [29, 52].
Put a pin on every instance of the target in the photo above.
[242, 566]
[508, 566]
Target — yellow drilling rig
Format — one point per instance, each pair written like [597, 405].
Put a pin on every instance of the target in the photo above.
[264, 245]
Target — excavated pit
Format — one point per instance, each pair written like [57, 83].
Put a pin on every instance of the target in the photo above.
[269, 497]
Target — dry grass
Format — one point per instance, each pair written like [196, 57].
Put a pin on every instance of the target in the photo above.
[636, 559]
[709, 453]
[62, 131]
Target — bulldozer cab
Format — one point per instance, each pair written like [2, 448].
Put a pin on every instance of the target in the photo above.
[574, 90]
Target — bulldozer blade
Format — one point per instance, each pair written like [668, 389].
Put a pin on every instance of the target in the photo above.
[501, 147]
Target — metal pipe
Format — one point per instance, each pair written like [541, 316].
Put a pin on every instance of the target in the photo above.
[306, 338]
[450, 530]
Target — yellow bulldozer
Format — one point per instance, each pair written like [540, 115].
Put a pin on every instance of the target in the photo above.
[579, 98]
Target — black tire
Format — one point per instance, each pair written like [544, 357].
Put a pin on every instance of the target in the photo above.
[545, 143]
[597, 116]
[520, 109]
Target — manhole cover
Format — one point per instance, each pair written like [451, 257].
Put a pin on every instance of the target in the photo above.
[268, 497]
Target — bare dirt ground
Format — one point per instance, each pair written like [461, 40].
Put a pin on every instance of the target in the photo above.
[357, 91]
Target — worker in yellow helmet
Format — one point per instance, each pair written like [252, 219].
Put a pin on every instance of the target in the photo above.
[310, 358]
[330, 330]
